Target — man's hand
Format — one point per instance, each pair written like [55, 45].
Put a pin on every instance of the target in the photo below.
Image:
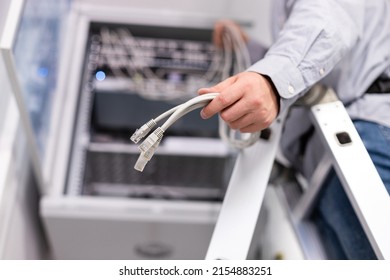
[247, 102]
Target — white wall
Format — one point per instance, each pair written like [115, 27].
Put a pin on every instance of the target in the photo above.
[254, 11]
[21, 234]
[3, 12]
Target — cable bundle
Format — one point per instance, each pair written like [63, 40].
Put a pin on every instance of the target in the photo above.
[236, 57]
[124, 51]
[127, 58]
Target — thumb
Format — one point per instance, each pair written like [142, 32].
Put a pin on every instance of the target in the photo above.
[218, 87]
[207, 90]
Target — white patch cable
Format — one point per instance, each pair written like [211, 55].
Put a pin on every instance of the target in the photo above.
[150, 144]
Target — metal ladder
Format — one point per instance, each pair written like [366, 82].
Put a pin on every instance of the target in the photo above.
[237, 222]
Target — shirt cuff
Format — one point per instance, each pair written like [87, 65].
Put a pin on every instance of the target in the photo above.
[285, 76]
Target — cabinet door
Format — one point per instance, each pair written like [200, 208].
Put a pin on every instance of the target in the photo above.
[30, 47]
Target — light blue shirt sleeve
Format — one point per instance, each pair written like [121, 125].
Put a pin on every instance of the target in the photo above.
[315, 37]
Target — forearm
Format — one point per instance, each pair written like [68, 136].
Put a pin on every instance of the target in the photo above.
[313, 40]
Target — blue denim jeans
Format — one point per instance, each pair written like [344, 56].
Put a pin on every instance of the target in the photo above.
[341, 231]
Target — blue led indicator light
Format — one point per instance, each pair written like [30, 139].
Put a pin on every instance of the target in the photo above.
[43, 72]
[100, 75]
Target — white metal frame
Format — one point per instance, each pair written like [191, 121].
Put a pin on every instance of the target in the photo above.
[7, 163]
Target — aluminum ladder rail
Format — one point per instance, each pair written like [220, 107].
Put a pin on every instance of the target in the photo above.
[237, 220]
